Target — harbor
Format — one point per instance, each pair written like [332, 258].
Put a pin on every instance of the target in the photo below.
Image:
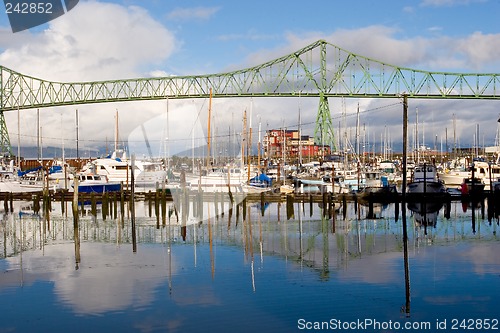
[176, 270]
[301, 185]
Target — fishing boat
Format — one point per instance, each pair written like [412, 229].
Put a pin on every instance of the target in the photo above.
[472, 186]
[425, 214]
[93, 183]
[425, 180]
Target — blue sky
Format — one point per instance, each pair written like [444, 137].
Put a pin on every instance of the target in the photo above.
[123, 39]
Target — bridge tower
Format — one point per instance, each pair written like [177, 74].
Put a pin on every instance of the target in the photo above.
[5, 148]
[323, 131]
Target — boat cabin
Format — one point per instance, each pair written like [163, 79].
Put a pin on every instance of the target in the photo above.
[425, 172]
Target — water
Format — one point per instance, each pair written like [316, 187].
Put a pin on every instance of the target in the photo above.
[261, 273]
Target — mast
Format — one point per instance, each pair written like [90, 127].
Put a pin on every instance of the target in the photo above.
[259, 146]
[249, 144]
[209, 139]
[300, 135]
[167, 152]
[455, 151]
[116, 130]
[357, 132]
[243, 139]
[18, 139]
[416, 137]
[77, 151]
[38, 133]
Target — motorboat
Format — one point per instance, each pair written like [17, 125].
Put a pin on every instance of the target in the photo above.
[93, 183]
[425, 180]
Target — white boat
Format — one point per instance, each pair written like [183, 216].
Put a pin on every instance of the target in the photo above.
[92, 183]
[146, 174]
[425, 180]
[287, 189]
[219, 180]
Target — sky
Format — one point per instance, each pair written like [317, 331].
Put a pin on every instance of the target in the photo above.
[104, 40]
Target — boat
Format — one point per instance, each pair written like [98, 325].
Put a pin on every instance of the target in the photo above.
[228, 179]
[479, 168]
[94, 183]
[472, 186]
[425, 213]
[425, 180]
[378, 189]
[258, 184]
[287, 189]
[147, 174]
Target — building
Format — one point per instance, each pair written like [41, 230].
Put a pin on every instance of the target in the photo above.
[279, 143]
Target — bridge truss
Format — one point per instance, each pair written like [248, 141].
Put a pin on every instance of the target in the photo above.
[319, 70]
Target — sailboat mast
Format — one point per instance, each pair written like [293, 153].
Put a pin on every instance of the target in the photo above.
[18, 139]
[38, 132]
[116, 130]
[243, 139]
[357, 132]
[209, 127]
[77, 139]
[249, 144]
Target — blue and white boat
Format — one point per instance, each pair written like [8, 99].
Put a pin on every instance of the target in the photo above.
[92, 183]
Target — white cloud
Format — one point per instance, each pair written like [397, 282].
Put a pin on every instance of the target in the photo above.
[204, 13]
[448, 3]
[477, 51]
[94, 41]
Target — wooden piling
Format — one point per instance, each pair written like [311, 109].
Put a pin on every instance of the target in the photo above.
[93, 204]
[262, 204]
[76, 229]
[105, 205]
[115, 206]
[163, 208]
[150, 204]
[11, 199]
[344, 206]
[36, 203]
[216, 204]
[310, 205]
[289, 207]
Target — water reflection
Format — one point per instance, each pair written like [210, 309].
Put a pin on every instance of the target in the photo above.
[425, 214]
[244, 253]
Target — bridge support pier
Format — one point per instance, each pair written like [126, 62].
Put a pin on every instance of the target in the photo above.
[323, 131]
[6, 149]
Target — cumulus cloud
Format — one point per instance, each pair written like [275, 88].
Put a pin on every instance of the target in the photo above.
[478, 51]
[94, 41]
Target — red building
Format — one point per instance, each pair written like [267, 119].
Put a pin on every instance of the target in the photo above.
[279, 142]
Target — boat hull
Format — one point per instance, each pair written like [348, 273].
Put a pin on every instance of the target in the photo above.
[99, 188]
[426, 187]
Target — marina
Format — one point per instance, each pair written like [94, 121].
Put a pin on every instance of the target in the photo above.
[244, 261]
[239, 229]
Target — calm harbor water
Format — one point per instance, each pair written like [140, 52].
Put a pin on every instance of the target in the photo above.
[252, 271]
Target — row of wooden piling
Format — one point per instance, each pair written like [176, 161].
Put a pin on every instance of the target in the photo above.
[113, 202]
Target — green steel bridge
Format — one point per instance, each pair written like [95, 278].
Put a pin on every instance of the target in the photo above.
[319, 70]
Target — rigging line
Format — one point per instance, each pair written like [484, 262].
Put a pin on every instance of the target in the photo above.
[216, 136]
